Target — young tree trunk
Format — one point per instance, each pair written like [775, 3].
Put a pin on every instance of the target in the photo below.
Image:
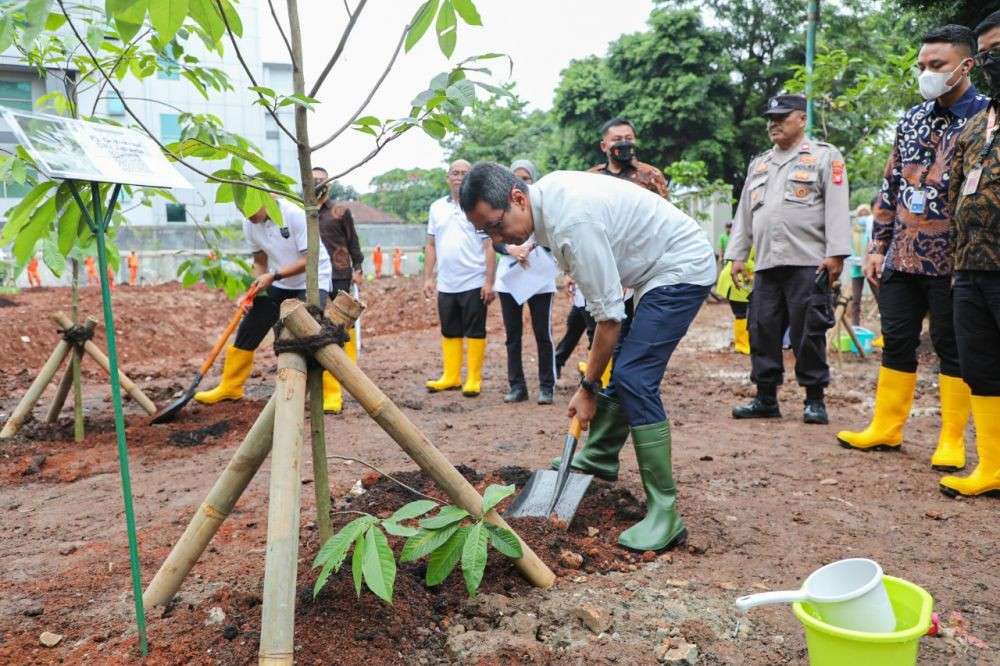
[78, 433]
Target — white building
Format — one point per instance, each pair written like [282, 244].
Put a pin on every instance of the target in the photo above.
[159, 100]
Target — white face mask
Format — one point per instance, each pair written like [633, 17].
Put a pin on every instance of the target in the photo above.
[934, 84]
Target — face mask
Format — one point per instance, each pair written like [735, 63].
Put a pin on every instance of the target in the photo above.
[991, 69]
[934, 84]
[623, 151]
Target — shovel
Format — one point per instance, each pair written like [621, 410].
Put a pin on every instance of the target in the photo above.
[169, 413]
[549, 492]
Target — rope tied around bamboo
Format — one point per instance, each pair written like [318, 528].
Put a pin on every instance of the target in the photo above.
[77, 335]
[329, 334]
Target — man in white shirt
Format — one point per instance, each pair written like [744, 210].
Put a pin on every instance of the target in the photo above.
[466, 268]
[608, 234]
[279, 264]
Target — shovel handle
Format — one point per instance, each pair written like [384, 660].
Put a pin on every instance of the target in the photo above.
[230, 327]
[575, 429]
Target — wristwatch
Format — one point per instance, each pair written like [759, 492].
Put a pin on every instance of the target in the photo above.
[590, 387]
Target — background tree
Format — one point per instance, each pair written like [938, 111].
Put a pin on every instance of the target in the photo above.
[964, 12]
[407, 193]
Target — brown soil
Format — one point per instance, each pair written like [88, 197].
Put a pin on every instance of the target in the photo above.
[765, 503]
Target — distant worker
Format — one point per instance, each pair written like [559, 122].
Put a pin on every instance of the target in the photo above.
[794, 212]
[279, 264]
[397, 263]
[738, 296]
[377, 261]
[33, 279]
[340, 238]
[133, 268]
[91, 268]
[861, 236]
[111, 276]
[466, 267]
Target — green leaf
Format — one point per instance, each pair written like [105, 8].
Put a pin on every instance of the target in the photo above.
[54, 21]
[467, 10]
[128, 16]
[495, 494]
[420, 22]
[224, 193]
[272, 208]
[378, 564]
[433, 128]
[413, 510]
[253, 201]
[356, 563]
[55, 261]
[233, 17]
[474, 557]
[6, 32]
[462, 92]
[443, 559]
[69, 228]
[368, 120]
[38, 226]
[447, 28]
[396, 529]
[167, 16]
[335, 548]
[19, 215]
[505, 541]
[36, 13]
[446, 516]
[425, 542]
[206, 14]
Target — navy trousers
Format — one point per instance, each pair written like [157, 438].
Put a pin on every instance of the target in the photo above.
[647, 341]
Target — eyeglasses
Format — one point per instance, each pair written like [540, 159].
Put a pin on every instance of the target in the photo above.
[983, 57]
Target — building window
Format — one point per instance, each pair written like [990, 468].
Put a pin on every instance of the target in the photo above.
[167, 68]
[176, 212]
[114, 106]
[170, 127]
[16, 94]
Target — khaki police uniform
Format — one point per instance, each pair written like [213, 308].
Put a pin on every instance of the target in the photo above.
[794, 209]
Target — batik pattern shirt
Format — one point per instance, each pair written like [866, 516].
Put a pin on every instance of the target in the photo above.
[640, 173]
[915, 241]
[975, 218]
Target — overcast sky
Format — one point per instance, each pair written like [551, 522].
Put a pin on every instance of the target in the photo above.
[541, 36]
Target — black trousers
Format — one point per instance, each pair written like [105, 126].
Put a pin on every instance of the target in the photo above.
[462, 314]
[787, 297]
[977, 328]
[739, 309]
[904, 300]
[264, 314]
[340, 285]
[540, 306]
[577, 322]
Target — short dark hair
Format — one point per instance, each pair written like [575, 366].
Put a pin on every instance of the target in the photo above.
[323, 169]
[956, 35]
[615, 122]
[489, 182]
[988, 23]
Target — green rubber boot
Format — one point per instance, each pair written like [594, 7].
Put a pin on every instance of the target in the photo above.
[662, 527]
[608, 434]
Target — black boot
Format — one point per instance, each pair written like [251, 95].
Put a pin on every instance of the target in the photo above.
[545, 396]
[764, 406]
[815, 409]
[516, 394]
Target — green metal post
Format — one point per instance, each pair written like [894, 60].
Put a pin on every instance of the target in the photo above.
[810, 59]
[99, 224]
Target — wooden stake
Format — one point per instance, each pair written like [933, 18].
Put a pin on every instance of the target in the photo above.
[67, 380]
[433, 463]
[213, 511]
[34, 391]
[95, 352]
[277, 627]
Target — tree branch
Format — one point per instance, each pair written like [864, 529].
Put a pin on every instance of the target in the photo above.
[152, 136]
[371, 94]
[253, 80]
[340, 47]
[347, 8]
[104, 83]
[365, 159]
[281, 30]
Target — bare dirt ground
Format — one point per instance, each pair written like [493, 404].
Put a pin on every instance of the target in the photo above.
[766, 503]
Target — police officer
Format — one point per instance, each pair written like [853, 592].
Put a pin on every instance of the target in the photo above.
[794, 211]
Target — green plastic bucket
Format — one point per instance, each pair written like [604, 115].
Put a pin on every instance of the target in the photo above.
[832, 646]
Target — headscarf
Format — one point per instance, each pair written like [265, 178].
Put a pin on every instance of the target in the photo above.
[528, 166]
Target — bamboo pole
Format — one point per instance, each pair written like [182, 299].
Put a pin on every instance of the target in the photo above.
[76, 360]
[66, 383]
[277, 626]
[344, 310]
[34, 391]
[95, 352]
[213, 511]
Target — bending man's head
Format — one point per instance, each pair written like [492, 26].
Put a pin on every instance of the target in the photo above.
[496, 202]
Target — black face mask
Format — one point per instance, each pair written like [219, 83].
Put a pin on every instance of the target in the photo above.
[991, 69]
[623, 152]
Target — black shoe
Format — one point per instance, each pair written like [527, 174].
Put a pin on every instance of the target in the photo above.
[545, 396]
[815, 413]
[757, 408]
[516, 394]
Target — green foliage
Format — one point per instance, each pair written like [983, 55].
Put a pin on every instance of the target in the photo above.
[450, 536]
[962, 12]
[407, 193]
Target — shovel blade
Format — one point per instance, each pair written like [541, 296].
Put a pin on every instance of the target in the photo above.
[536, 496]
[170, 412]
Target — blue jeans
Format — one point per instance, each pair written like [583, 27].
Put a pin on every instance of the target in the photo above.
[645, 345]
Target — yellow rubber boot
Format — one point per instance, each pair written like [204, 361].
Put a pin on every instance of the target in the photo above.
[879, 342]
[955, 407]
[474, 367]
[741, 336]
[235, 371]
[986, 477]
[893, 400]
[606, 375]
[333, 397]
[351, 346]
[451, 356]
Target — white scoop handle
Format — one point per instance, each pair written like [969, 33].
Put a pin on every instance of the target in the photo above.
[777, 597]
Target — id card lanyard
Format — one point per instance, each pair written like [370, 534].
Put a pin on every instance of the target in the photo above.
[972, 180]
[918, 201]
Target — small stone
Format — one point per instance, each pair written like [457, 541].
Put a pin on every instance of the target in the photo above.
[35, 465]
[667, 557]
[828, 482]
[49, 639]
[32, 608]
[697, 548]
[676, 582]
[25, 339]
[230, 632]
[677, 651]
[595, 618]
[580, 579]
[593, 531]
[357, 489]
[369, 479]
[525, 624]
[68, 549]
[215, 615]
[778, 639]
[706, 458]
[649, 556]
[570, 560]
